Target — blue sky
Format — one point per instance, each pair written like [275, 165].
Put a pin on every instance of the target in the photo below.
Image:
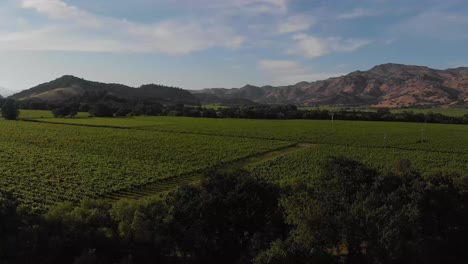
[197, 44]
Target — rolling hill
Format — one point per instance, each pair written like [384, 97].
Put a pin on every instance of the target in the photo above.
[73, 89]
[386, 85]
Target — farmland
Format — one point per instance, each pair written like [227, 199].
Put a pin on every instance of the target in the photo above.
[409, 136]
[43, 163]
[305, 164]
[56, 159]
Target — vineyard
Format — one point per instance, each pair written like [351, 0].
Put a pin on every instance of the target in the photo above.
[57, 159]
[44, 163]
[408, 136]
[305, 164]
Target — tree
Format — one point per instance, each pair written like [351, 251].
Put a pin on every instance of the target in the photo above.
[123, 111]
[10, 110]
[369, 217]
[101, 110]
[9, 222]
[226, 218]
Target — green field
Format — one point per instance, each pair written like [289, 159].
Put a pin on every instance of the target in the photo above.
[305, 163]
[46, 163]
[410, 136]
[57, 159]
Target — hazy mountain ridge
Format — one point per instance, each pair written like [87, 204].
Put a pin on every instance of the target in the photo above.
[70, 88]
[386, 85]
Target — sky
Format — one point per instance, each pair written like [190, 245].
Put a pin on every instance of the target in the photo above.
[195, 44]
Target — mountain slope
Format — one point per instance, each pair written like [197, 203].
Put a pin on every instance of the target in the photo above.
[70, 88]
[386, 85]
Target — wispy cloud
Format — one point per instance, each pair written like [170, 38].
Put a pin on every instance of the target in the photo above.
[434, 24]
[264, 6]
[244, 7]
[79, 30]
[357, 13]
[312, 46]
[57, 9]
[286, 72]
[296, 24]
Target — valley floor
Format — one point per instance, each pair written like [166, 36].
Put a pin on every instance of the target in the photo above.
[44, 160]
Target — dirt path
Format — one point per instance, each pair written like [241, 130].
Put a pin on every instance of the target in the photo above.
[171, 183]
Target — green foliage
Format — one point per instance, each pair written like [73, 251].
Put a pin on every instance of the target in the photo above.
[407, 136]
[290, 252]
[225, 216]
[305, 164]
[46, 163]
[366, 217]
[39, 114]
[10, 110]
[43, 164]
[64, 111]
[101, 110]
[348, 214]
[8, 224]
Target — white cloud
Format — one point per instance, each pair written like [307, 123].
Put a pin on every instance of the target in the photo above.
[79, 30]
[242, 7]
[57, 9]
[286, 72]
[357, 13]
[296, 24]
[264, 6]
[312, 46]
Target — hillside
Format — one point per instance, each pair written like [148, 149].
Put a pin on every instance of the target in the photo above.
[70, 88]
[386, 85]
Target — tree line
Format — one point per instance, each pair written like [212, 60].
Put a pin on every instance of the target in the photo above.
[348, 214]
[153, 108]
[261, 112]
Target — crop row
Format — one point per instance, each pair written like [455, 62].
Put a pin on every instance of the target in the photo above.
[305, 164]
[410, 136]
[45, 163]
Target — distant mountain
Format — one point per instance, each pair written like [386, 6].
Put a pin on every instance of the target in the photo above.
[4, 92]
[208, 98]
[72, 89]
[386, 85]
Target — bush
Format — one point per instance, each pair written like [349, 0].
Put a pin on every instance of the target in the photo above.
[10, 110]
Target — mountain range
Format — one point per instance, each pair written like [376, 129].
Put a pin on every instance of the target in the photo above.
[386, 85]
